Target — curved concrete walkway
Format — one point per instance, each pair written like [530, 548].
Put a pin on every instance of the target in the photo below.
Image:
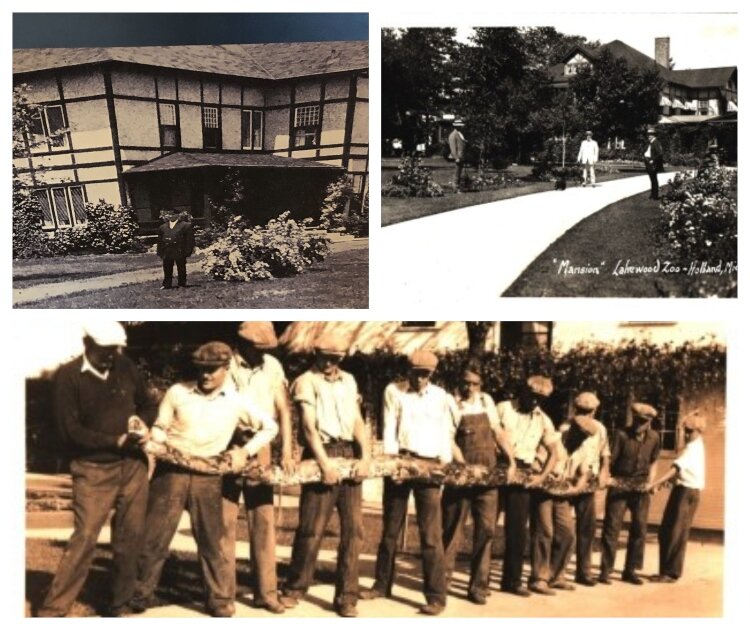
[110, 281]
[471, 255]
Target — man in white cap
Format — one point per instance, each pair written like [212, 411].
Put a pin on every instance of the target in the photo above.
[260, 376]
[588, 455]
[328, 402]
[689, 474]
[419, 420]
[198, 418]
[635, 451]
[528, 429]
[588, 156]
[457, 144]
[97, 397]
[653, 158]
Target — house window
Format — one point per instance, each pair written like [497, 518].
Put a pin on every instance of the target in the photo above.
[525, 336]
[62, 206]
[306, 120]
[211, 135]
[49, 125]
[252, 129]
[168, 125]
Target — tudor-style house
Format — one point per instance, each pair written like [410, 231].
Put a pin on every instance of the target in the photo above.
[688, 96]
[161, 127]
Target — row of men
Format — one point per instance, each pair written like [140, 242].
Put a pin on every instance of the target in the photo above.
[240, 401]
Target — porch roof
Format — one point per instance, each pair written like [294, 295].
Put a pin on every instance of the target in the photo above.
[184, 160]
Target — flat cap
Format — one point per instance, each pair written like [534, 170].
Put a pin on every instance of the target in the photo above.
[589, 132]
[651, 130]
[458, 123]
[587, 401]
[106, 333]
[539, 385]
[212, 354]
[695, 420]
[585, 423]
[260, 334]
[423, 360]
[643, 410]
[330, 343]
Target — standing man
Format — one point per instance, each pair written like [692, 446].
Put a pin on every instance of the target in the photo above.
[328, 402]
[528, 428]
[418, 422]
[634, 454]
[95, 396]
[653, 157]
[689, 473]
[175, 242]
[588, 457]
[478, 437]
[457, 144]
[261, 377]
[198, 419]
[588, 156]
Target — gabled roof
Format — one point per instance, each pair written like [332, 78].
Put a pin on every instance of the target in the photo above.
[184, 160]
[260, 61]
[704, 77]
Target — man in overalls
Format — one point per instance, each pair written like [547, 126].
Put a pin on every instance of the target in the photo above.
[478, 436]
[418, 422]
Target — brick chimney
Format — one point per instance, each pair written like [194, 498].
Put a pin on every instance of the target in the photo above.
[661, 51]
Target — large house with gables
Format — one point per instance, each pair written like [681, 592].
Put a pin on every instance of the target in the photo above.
[161, 127]
[688, 96]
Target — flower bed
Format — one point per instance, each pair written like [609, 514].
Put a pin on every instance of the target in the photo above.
[412, 180]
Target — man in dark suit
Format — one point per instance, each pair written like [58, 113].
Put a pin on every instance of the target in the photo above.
[174, 244]
[654, 159]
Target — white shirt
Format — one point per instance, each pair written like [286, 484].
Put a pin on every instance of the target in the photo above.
[261, 383]
[526, 430]
[482, 403]
[203, 424]
[588, 455]
[589, 152]
[691, 465]
[87, 367]
[423, 423]
[335, 401]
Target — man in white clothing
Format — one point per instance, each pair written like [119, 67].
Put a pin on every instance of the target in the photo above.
[588, 156]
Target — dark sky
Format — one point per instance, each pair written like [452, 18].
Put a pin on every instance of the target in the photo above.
[66, 30]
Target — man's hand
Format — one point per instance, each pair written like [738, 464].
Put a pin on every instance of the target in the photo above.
[331, 474]
[362, 469]
[603, 479]
[535, 481]
[238, 458]
[288, 465]
[511, 474]
[131, 441]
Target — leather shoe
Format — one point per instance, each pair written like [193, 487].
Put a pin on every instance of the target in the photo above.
[347, 610]
[663, 579]
[519, 591]
[562, 585]
[632, 578]
[586, 580]
[541, 588]
[432, 609]
[224, 610]
[478, 598]
[370, 593]
[605, 579]
[287, 601]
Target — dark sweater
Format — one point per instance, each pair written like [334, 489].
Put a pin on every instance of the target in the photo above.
[91, 414]
[632, 457]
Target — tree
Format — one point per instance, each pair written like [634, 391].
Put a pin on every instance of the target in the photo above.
[617, 98]
[416, 80]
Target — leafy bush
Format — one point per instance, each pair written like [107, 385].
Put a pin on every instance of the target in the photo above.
[476, 183]
[29, 239]
[282, 248]
[108, 230]
[412, 180]
[340, 209]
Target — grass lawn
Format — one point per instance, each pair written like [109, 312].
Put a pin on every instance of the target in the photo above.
[397, 210]
[623, 231]
[340, 281]
[31, 271]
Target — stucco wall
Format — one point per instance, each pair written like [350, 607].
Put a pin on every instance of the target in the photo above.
[167, 87]
[137, 123]
[307, 91]
[88, 122]
[190, 89]
[191, 128]
[277, 129]
[337, 87]
[334, 121]
[133, 83]
[78, 83]
[231, 127]
[360, 131]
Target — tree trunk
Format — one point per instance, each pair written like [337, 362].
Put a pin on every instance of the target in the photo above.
[477, 332]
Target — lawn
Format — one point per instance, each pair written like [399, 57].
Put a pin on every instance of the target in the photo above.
[396, 210]
[623, 231]
[341, 281]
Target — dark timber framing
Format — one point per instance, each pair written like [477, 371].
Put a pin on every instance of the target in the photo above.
[115, 135]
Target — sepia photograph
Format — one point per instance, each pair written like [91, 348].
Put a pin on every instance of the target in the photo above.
[586, 156]
[151, 170]
[476, 468]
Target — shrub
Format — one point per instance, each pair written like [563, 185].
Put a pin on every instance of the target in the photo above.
[336, 203]
[412, 180]
[29, 239]
[108, 230]
[476, 183]
[282, 248]
[698, 224]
